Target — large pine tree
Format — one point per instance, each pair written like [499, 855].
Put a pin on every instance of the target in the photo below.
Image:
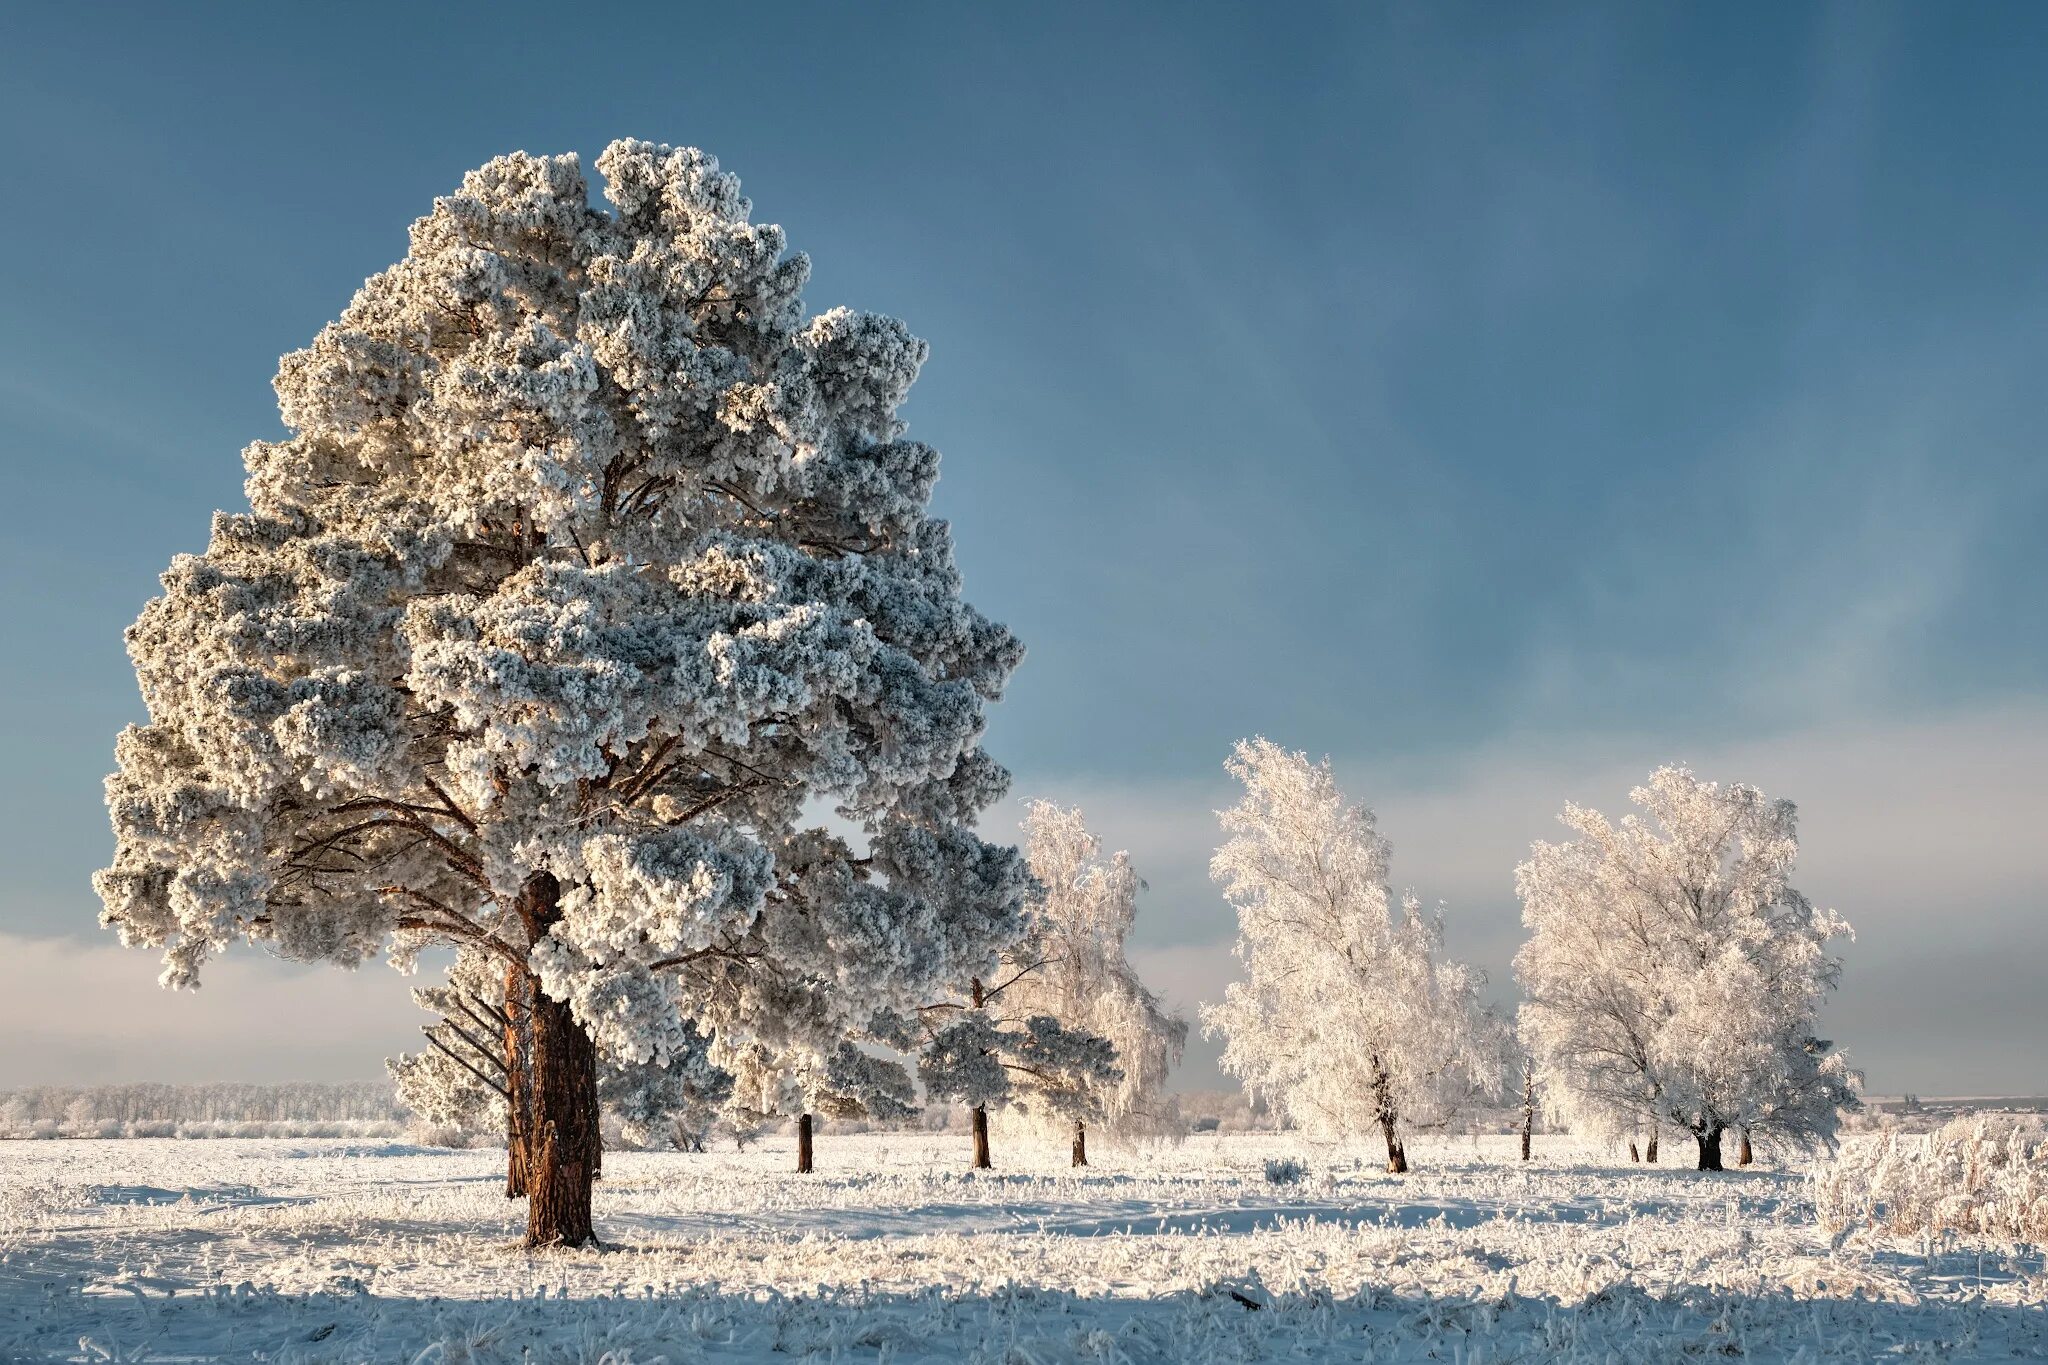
[587, 568]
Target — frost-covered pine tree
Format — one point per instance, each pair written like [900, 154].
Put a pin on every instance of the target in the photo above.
[986, 1055]
[847, 1083]
[993, 1045]
[1674, 975]
[587, 564]
[476, 1076]
[1081, 976]
[1349, 1017]
[672, 1103]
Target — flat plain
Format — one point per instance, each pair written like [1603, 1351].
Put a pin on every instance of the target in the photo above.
[336, 1250]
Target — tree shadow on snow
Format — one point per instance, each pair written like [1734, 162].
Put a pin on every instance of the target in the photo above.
[1227, 1320]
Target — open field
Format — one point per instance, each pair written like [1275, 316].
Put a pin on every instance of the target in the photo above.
[310, 1250]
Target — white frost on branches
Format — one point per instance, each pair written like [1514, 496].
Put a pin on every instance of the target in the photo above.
[587, 557]
[1673, 973]
[480, 1052]
[1078, 972]
[1348, 1018]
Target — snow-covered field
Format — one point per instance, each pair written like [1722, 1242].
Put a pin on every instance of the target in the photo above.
[321, 1250]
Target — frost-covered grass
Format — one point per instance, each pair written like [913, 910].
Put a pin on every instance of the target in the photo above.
[345, 1251]
[1980, 1179]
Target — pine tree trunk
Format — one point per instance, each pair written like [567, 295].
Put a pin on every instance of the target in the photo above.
[1747, 1155]
[562, 1146]
[517, 1103]
[1710, 1150]
[1080, 1143]
[515, 1160]
[981, 1161]
[803, 1144]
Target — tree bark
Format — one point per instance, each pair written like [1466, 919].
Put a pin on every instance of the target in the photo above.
[1650, 1152]
[1528, 1108]
[1397, 1155]
[981, 1161]
[1383, 1110]
[1747, 1155]
[518, 1117]
[1633, 1154]
[563, 1144]
[1080, 1143]
[1710, 1150]
[803, 1144]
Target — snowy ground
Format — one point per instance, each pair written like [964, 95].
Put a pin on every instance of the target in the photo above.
[311, 1250]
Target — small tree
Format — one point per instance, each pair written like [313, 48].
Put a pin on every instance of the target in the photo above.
[984, 1053]
[1348, 1017]
[1083, 978]
[587, 566]
[1674, 975]
[849, 1083]
[1518, 1069]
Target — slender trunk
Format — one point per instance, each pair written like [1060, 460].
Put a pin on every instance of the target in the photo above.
[1397, 1155]
[1080, 1143]
[1528, 1107]
[803, 1144]
[1747, 1155]
[981, 1161]
[517, 1104]
[1385, 1112]
[1650, 1152]
[563, 1143]
[1710, 1149]
[1633, 1154]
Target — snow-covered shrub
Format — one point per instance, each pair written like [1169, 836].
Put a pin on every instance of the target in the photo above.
[1285, 1170]
[1964, 1179]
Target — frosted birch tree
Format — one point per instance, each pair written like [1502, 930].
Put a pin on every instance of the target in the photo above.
[587, 563]
[1081, 976]
[1349, 1018]
[1675, 976]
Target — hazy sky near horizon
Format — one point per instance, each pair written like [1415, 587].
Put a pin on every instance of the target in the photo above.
[1501, 400]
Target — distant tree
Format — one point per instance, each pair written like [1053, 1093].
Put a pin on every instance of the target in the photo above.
[588, 567]
[1349, 1018]
[847, 1083]
[1674, 975]
[1518, 1070]
[1081, 976]
[984, 1051]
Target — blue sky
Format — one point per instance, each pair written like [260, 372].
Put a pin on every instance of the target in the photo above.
[1500, 399]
